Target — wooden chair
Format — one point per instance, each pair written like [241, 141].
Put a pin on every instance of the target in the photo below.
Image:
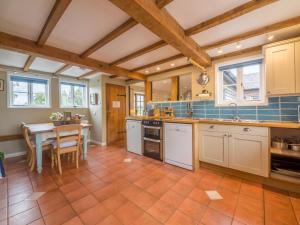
[31, 150]
[67, 144]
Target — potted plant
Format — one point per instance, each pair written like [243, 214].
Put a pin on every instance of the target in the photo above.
[57, 118]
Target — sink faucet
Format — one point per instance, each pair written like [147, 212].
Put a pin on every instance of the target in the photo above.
[237, 114]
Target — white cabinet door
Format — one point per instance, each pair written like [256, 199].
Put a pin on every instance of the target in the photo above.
[213, 147]
[249, 154]
[178, 141]
[134, 136]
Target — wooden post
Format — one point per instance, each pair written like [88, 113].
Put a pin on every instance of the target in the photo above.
[174, 90]
[148, 92]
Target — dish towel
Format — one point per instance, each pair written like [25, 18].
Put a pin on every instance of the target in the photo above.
[2, 171]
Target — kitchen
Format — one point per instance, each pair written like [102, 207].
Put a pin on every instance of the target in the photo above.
[150, 112]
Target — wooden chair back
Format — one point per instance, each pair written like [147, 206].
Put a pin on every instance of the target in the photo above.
[26, 137]
[62, 135]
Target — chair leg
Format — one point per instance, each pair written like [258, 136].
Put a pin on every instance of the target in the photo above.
[59, 164]
[52, 158]
[32, 164]
[77, 157]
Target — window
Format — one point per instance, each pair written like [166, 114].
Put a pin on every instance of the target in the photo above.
[139, 104]
[185, 87]
[27, 91]
[73, 95]
[241, 83]
[161, 90]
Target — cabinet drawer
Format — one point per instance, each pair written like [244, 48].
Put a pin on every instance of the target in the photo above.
[249, 130]
[214, 127]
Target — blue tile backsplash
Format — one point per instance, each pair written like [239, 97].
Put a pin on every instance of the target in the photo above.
[278, 109]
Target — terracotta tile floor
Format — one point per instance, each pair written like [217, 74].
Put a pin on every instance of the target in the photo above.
[107, 191]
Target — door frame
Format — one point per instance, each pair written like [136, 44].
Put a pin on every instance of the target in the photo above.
[106, 103]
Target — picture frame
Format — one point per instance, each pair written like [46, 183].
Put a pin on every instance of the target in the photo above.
[94, 99]
[1, 85]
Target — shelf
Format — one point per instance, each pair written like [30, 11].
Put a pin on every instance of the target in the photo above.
[288, 153]
[282, 177]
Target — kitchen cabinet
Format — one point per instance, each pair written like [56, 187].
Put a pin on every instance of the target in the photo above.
[280, 69]
[134, 136]
[236, 147]
[214, 147]
[297, 65]
[248, 153]
[178, 144]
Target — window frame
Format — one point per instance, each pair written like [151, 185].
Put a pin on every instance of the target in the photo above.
[30, 105]
[73, 84]
[239, 100]
[135, 102]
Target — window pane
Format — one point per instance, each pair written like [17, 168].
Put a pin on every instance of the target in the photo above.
[229, 84]
[185, 87]
[66, 95]
[251, 82]
[20, 86]
[229, 77]
[78, 96]
[20, 98]
[229, 93]
[39, 94]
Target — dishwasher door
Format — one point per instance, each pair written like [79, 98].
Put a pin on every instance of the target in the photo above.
[134, 136]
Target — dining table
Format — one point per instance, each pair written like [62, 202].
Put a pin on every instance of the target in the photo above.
[44, 131]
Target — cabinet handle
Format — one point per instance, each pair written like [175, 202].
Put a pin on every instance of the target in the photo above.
[225, 135]
[212, 127]
[229, 135]
[246, 129]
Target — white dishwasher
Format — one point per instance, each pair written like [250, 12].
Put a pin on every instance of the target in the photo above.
[134, 136]
[178, 141]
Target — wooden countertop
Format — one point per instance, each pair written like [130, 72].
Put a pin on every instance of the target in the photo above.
[274, 124]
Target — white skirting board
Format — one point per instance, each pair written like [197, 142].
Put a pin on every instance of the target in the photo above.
[15, 154]
[97, 142]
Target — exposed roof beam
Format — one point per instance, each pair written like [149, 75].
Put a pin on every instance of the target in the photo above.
[171, 69]
[229, 15]
[87, 74]
[62, 69]
[26, 46]
[237, 53]
[118, 31]
[56, 13]
[158, 62]
[113, 76]
[263, 30]
[142, 51]
[28, 63]
[165, 26]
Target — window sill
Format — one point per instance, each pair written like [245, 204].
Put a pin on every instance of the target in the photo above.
[29, 107]
[66, 107]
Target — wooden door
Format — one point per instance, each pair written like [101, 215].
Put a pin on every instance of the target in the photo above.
[213, 147]
[280, 68]
[249, 154]
[297, 65]
[115, 113]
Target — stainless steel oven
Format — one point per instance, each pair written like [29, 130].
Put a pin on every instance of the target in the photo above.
[153, 139]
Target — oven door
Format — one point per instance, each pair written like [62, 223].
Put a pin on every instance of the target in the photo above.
[152, 132]
[153, 148]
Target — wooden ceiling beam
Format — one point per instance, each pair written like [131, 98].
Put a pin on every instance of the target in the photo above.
[140, 52]
[14, 43]
[62, 69]
[263, 30]
[58, 10]
[171, 69]
[28, 63]
[217, 20]
[237, 53]
[161, 23]
[113, 76]
[229, 15]
[159, 62]
[118, 31]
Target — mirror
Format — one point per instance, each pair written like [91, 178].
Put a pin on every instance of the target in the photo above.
[185, 87]
[137, 99]
[161, 90]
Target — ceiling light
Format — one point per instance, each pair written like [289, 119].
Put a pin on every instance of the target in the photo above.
[270, 37]
[220, 50]
[147, 71]
[238, 45]
[172, 64]
[158, 68]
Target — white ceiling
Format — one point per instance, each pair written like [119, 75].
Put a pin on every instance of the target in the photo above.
[86, 22]
[150, 57]
[136, 38]
[46, 65]
[24, 18]
[10, 58]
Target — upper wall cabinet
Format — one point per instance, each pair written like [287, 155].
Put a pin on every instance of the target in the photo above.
[282, 67]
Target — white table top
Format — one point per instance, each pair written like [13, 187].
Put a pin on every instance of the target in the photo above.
[47, 127]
